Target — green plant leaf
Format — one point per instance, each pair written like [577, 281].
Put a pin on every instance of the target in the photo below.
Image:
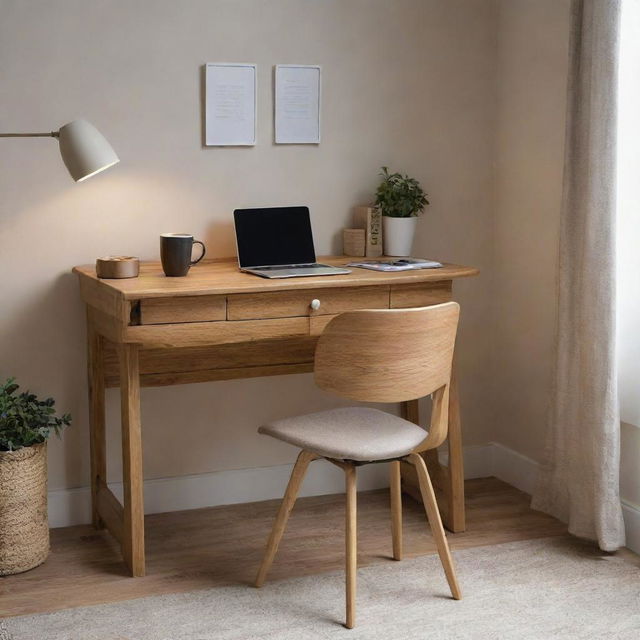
[399, 196]
[25, 420]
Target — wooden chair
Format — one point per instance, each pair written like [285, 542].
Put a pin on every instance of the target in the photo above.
[390, 355]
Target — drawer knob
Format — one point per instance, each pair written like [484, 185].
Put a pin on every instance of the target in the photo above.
[315, 304]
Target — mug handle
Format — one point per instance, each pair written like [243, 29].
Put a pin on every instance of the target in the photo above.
[201, 255]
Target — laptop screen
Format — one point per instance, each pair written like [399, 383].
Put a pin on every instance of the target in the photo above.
[274, 236]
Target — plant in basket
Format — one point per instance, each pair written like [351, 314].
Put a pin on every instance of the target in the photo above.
[26, 423]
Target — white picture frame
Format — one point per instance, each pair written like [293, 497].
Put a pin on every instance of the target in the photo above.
[297, 103]
[230, 104]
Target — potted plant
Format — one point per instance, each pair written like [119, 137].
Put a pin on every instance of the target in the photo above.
[400, 200]
[25, 424]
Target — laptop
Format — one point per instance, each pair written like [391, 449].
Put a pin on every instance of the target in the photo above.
[277, 242]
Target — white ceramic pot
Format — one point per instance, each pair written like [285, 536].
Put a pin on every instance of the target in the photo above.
[397, 235]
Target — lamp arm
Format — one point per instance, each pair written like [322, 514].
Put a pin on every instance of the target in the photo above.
[51, 134]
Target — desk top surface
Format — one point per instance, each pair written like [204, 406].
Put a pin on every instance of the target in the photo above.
[222, 276]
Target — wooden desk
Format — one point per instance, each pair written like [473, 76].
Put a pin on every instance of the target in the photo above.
[217, 324]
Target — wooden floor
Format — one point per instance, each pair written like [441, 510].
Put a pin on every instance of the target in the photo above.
[205, 548]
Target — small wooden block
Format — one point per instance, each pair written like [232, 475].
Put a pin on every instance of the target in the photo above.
[353, 240]
[370, 219]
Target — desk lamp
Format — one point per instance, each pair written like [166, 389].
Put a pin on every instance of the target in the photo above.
[84, 150]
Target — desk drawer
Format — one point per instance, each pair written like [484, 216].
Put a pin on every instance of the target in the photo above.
[319, 323]
[195, 334]
[183, 309]
[404, 296]
[283, 304]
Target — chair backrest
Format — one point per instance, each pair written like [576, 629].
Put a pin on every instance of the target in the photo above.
[387, 355]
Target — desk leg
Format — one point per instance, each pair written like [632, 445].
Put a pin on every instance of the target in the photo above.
[449, 479]
[133, 529]
[456, 521]
[97, 437]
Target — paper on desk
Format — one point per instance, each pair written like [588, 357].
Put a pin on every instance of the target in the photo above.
[402, 264]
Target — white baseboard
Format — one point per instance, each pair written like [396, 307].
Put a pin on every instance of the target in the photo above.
[520, 471]
[494, 459]
[477, 461]
[73, 506]
[513, 468]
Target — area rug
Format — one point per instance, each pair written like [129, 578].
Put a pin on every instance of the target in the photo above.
[545, 588]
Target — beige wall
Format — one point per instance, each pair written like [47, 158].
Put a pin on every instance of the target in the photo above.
[408, 83]
[531, 98]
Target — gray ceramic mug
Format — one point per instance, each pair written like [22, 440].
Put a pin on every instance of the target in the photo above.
[175, 253]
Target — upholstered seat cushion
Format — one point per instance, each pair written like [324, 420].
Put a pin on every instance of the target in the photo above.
[352, 433]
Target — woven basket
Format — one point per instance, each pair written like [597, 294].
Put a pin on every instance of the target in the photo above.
[24, 529]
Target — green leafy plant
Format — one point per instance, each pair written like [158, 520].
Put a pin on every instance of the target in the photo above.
[25, 420]
[400, 196]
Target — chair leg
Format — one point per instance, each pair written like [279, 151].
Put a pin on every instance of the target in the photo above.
[396, 509]
[289, 499]
[351, 545]
[431, 506]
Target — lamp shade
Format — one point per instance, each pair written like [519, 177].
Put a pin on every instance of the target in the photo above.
[84, 150]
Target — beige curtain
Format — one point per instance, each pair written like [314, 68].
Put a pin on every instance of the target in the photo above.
[578, 482]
